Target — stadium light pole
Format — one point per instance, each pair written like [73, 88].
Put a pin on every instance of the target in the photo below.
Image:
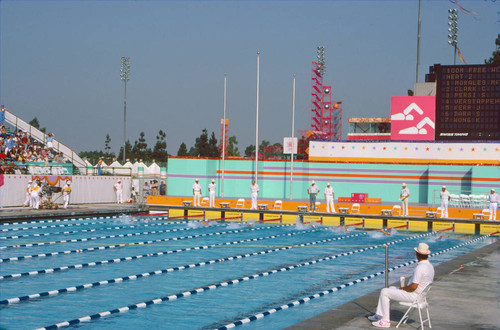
[223, 137]
[453, 30]
[293, 138]
[125, 76]
[419, 27]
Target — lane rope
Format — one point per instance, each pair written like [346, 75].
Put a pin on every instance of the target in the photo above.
[207, 288]
[106, 247]
[16, 300]
[337, 288]
[117, 260]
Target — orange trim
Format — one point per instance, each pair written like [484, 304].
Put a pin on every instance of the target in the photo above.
[375, 176]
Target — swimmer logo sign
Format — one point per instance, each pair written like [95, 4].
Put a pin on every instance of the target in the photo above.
[412, 118]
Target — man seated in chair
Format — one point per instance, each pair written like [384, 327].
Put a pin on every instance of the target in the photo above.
[423, 275]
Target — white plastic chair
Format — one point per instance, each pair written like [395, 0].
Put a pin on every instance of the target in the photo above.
[465, 201]
[486, 213]
[317, 207]
[204, 201]
[419, 303]
[240, 203]
[278, 205]
[454, 200]
[355, 208]
[396, 209]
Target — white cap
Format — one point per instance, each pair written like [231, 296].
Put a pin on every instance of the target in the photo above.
[492, 189]
[328, 184]
[444, 187]
[423, 249]
[213, 180]
[119, 180]
[32, 182]
[196, 179]
[404, 184]
[312, 182]
[68, 182]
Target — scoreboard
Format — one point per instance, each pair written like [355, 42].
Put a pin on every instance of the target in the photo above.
[467, 101]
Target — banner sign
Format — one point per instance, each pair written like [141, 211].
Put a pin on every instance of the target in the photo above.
[413, 118]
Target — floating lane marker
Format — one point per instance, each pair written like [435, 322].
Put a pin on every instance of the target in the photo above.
[57, 220]
[117, 260]
[94, 238]
[51, 293]
[335, 289]
[51, 254]
[204, 288]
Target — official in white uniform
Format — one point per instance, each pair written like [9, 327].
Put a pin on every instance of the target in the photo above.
[66, 193]
[423, 275]
[196, 193]
[445, 198]
[254, 190]
[494, 199]
[330, 198]
[27, 202]
[405, 194]
[119, 191]
[211, 193]
[35, 195]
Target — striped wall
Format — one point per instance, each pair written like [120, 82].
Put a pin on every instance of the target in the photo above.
[378, 180]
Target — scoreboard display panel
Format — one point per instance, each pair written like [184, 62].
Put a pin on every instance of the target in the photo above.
[467, 102]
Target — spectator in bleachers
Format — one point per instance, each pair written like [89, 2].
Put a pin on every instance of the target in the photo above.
[48, 140]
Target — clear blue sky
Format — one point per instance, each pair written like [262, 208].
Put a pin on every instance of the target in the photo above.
[60, 62]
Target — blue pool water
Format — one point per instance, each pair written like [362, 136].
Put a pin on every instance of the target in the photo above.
[95, 251]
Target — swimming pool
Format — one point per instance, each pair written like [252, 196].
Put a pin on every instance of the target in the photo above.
[127, 272]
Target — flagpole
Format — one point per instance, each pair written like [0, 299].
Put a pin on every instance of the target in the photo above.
[223, 137]
[293, 140]
[257, 121]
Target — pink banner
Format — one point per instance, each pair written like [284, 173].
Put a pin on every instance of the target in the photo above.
[412, 118]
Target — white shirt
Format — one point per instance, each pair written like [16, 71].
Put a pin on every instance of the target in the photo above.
[254, 188]
[197, 187]
[445, 195]
[493, 198]
[211, 187]
[118, 186]
[423, 275]
[329, 191]
[66, 189]
[313, 189]
[405, 192]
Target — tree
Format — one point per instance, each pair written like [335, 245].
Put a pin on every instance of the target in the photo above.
[160, 153]
[107, 141]
[263, 144]
[128, 148]
[232, 150]
[182, 150]
[34, 122]
[495, 56]
[201, 146]
[213, 150]
[249, 151]
[140, 149]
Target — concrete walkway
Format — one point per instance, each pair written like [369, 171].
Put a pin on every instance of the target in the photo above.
[462, 297]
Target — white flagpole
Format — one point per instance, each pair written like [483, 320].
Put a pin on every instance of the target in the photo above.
[293, 135]
[257, 121]
[223, 138]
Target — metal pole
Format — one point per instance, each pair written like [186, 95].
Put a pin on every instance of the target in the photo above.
[386, 265]
[293, 135]
[455, 56]
[257, 122]
[223, 138]
[418, 37]
[124, 120]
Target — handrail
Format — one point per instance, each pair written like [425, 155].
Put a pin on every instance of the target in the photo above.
[38, 135]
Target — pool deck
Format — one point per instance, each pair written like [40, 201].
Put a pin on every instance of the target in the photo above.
[75, 210]
[465, 295]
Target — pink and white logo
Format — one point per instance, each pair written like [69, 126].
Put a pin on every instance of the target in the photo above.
[412, 117]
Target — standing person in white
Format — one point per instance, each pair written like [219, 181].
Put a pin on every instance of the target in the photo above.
[196, 193]
[445, 198]
[405, 194]
[35, 195]
[254, 189]
[119, 191]
[66, 193]
[211, 193]
[494, 199]
[27, 202]
[423, 275]
[330, 198]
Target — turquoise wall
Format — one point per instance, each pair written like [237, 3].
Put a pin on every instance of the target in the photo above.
[378, 180]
